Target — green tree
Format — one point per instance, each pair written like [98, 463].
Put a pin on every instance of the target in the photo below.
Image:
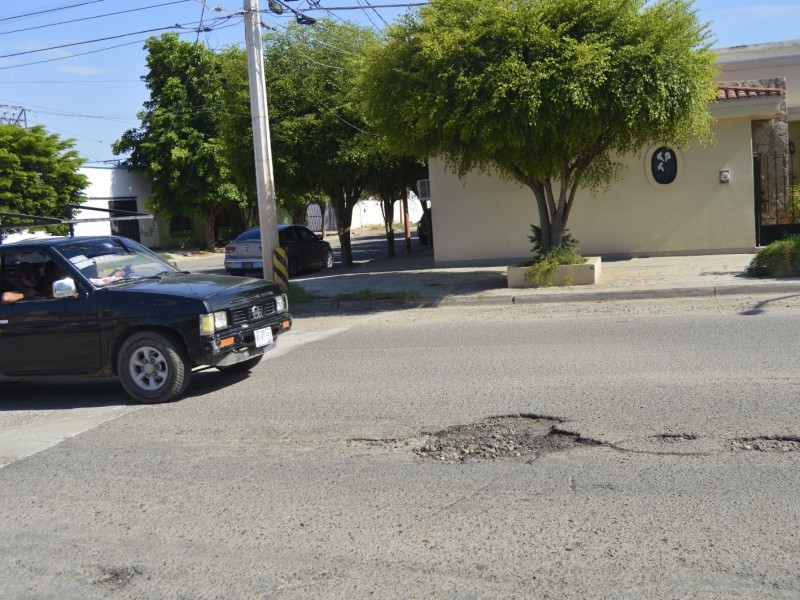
[236, 134]
[320, 141]
[38, 174]
[236, 130]
[545, 93]
[178, 143]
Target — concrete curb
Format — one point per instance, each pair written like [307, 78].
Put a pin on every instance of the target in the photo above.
[510, 299]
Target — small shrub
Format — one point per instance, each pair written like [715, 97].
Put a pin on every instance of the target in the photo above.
[781, 257]
[567, 241]
[542, 269]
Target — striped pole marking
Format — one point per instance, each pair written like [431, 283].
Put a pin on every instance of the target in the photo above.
[280, 268]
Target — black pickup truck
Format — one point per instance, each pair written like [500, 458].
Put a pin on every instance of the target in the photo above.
[105, 306]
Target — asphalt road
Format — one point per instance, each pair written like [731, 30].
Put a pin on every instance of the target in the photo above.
[306, 480]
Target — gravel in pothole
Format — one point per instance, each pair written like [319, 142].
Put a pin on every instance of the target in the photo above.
[497, 437]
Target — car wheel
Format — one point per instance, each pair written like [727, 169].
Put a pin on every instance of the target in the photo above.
[153, 367]
[241, 367]
[293, 270]
[328, 260]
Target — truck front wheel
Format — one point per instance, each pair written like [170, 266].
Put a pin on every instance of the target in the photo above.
[153, 367]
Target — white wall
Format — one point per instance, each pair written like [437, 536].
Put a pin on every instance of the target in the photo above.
[105, 184]
[109, 183]
[368, 213]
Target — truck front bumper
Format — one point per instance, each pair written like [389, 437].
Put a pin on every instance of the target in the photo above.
[229, 347]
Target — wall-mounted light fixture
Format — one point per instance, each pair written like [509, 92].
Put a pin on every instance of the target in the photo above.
[725, 176]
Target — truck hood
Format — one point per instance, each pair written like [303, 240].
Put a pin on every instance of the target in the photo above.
[218, 291]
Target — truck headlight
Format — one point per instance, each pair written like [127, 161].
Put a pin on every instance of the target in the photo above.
[210, 324]
[281, 303]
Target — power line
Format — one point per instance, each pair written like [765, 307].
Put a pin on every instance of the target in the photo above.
[372, 6]
[39, 62]
[72, 81]
[105, 39]
[373, 10]
[202, 14]
[140, 41]
[122, 12]
[50, 10]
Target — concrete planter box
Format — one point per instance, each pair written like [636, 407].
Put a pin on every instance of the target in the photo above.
[586, 274]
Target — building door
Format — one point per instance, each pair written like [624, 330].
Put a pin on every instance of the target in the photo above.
[777, 205]
[128, 228]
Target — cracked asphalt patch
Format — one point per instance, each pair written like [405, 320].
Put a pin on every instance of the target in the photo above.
[514, 436]
[778, 444]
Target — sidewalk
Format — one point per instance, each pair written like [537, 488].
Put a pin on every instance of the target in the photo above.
[414, 280]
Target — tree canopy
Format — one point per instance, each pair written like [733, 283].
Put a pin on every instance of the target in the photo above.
[546, 93]
[39, 174]
[320, 140]
[178, 144]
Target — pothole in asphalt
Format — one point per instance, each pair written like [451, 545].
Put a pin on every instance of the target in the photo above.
[523, 437]
[515, 436]
[112, 578]
[764, 444]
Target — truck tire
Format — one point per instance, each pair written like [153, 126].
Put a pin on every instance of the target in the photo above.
[241, 367]
[153, 367]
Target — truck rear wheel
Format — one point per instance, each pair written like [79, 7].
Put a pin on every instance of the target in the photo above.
[153, 367]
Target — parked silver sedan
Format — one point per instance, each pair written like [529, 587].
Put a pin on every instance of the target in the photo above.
[305, 251]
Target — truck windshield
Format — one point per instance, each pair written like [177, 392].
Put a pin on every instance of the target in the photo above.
[107, 261]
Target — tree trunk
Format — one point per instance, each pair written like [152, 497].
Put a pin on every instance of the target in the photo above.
[553, 212]
[343, 205]
[406, 222]
[209, 221]
[387, 208]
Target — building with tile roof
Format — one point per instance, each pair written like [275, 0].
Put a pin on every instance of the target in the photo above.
[730, 197]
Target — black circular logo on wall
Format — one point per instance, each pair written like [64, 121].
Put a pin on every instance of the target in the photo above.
[664, 165]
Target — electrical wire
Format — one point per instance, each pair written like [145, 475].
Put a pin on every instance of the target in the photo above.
[366, 13]
[202, 13]
[49, 10]
[141, 41]
[373, 6]
[105, 39]
[121, 12]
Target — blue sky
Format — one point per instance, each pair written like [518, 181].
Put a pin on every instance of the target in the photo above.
[91, 92]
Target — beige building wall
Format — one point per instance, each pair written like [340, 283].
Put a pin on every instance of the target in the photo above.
[486, 219]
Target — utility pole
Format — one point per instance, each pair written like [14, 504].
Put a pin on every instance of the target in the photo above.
[265, 184]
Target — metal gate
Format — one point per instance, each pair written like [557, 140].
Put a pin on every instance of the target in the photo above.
[777, 203]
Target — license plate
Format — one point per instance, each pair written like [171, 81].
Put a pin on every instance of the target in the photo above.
[263, 337]
[247, 265]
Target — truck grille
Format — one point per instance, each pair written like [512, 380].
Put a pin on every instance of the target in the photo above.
[254, 312]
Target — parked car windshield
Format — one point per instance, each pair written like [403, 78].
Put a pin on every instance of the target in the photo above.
[107, 261]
